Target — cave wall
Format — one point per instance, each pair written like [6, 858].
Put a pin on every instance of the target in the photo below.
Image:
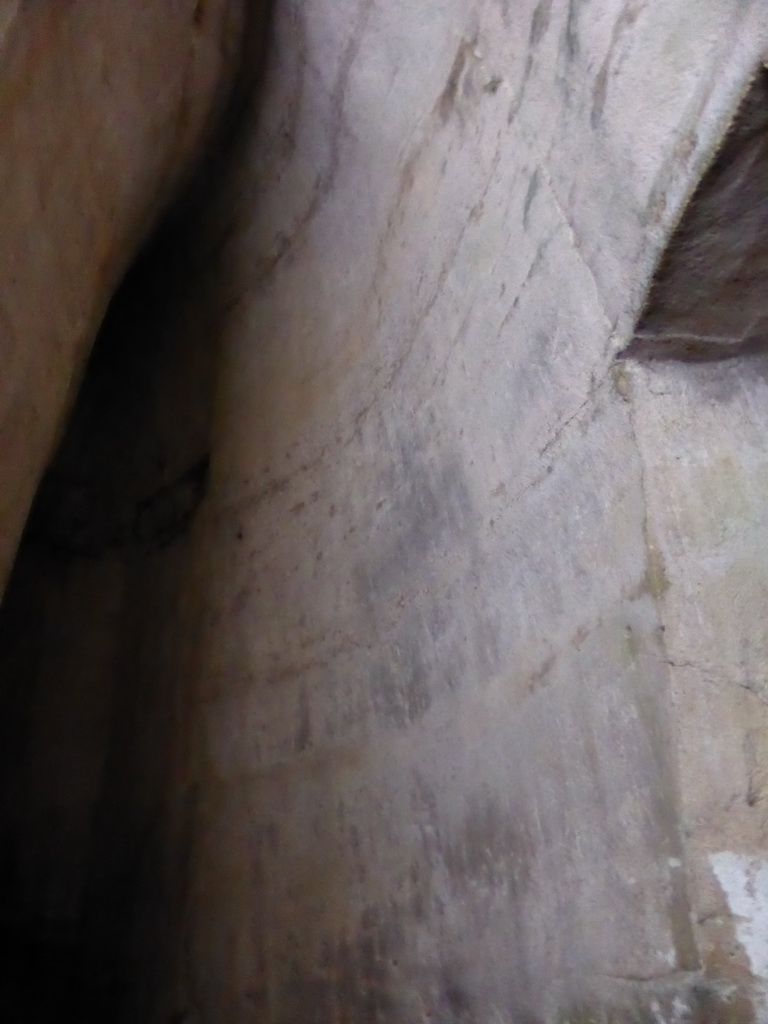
[441, 754]
[445, 702]
[104, 109]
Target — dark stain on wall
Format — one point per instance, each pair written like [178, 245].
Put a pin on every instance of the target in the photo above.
[540, 22]
[429, 507]
[448, 97]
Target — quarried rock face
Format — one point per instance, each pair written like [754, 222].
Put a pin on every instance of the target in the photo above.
[424, 680]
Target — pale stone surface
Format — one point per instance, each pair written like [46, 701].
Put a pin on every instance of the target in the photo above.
[701, 429]
[745, 883]
[102, 109]
[450, 705]
[442, 646]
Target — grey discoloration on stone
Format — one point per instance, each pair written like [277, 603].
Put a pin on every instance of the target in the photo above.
[599, 93]
[572, 29]
[401, 691]
[492, 850]
[627, 17]
[530, 195]
[540, 21]
[448, 97]
[425, 506]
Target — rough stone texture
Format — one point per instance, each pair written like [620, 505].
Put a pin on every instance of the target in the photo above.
[102, 109]
[448, 703]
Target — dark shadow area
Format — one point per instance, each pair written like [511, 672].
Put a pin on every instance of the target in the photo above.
[98, 630]
[115, 506]
[40, 982]
[708, 299]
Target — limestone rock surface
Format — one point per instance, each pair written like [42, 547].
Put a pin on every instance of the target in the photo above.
[425, 679]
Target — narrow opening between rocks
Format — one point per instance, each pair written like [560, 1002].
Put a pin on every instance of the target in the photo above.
[708, 299]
